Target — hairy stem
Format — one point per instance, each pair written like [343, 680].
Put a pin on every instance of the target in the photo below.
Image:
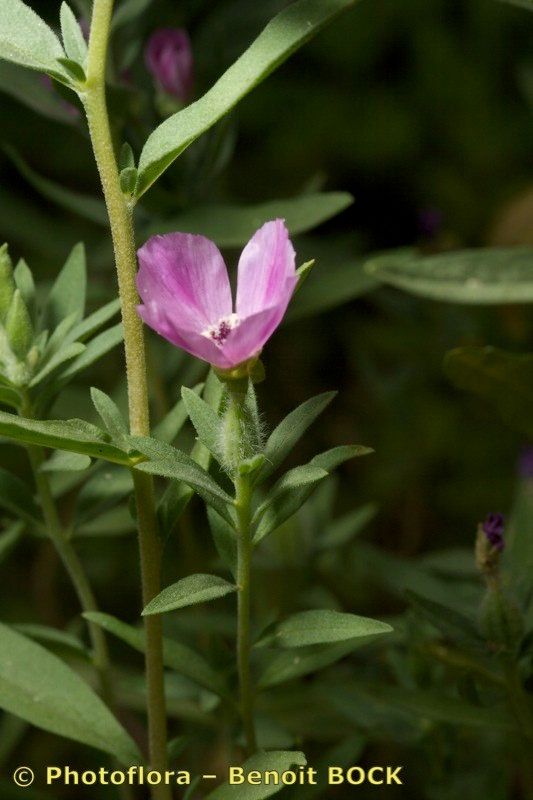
[120, 218]
[235, 422]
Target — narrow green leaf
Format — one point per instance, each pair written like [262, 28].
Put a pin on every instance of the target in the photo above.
[38, 687]
[51, 636]
[110, 415]
[73, 435]
[225, 539]
[66, 353]
[295, 478]
[187, 592]
[321, 627]
[17, 498]
[170, 426]
[169, 462]
[445, 619]
[343, 530]
[288, 31]
[205, 420]
[482, 276]
[88, 326]
[73, 39]
[86, 206]
[176, 656]
[331, 459]
[96, 348]
[233, 226]
[67, 295]
[9, 538]
[61, 461]
[504, 379]
[276, 760]
[290, 430]
[25, 39]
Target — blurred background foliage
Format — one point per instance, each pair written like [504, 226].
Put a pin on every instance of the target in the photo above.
[422, 111]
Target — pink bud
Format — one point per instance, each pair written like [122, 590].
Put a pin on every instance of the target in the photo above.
[168, 57]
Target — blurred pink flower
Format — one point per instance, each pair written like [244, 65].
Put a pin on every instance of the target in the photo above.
[184, 285]
[168, 57]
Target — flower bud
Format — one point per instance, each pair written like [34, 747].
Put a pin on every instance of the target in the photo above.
[490, 543]
[7, 284]
[19, 328]
[168, 57]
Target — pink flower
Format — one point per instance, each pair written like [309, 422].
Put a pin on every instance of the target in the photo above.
[168, 56]
[184, 285]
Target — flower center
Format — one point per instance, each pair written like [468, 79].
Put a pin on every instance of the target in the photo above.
[219, 332]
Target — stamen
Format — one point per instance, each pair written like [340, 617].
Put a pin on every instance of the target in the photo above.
[219, 333]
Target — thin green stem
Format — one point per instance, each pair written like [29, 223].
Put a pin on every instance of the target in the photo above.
[73, 566]
[120, 218]
[244, 559]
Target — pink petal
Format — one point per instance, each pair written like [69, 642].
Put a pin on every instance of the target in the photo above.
[248, 338]
[266, 274]
[182, 278]
[194, 343]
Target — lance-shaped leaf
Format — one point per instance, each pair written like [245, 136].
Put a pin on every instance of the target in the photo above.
[110, 415]
[290, 430]
[25, 39]
[67, 295]
[84, 205]
[176, 656]
[17, 498]
[233, 226]
[276, 760]
[283, 35]
[74, 435]
[327, 626]
[189, 591]
[172, 423]
[169, 462]
[91, 324]
[482, 276]
[205, 420]
[38, 687]
[504, 379]
[295, 479]
[73, 39]
[290, 501]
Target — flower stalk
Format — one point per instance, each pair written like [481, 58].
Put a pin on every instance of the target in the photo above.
[243, 496]
[121, 222]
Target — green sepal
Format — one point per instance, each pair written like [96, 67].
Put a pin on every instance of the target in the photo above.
[7, 283]
[18, 326]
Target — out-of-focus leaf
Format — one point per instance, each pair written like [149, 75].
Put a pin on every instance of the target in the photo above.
[342, 530]
[128, 11]
[176, 656]
[504, 379]
[335, 279]
[17, 498]
[67, 295]
[61, 461]
[483, 276]
[95, 349]
[283, 35]
[277, 760]
[66, 353]
[321, 627]
[233, 226]
[25, 39]
[28, 88]
[447, 620]
[53, 636]
[83, 204]
[189, 591]
[9, 538]
[170, 426]
[37, 686]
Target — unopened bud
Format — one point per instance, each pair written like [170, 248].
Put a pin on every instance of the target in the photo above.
[19, 328]
[7, 284]
[489, 543]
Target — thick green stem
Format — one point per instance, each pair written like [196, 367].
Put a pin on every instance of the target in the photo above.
[120, 218]
[73, 566]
